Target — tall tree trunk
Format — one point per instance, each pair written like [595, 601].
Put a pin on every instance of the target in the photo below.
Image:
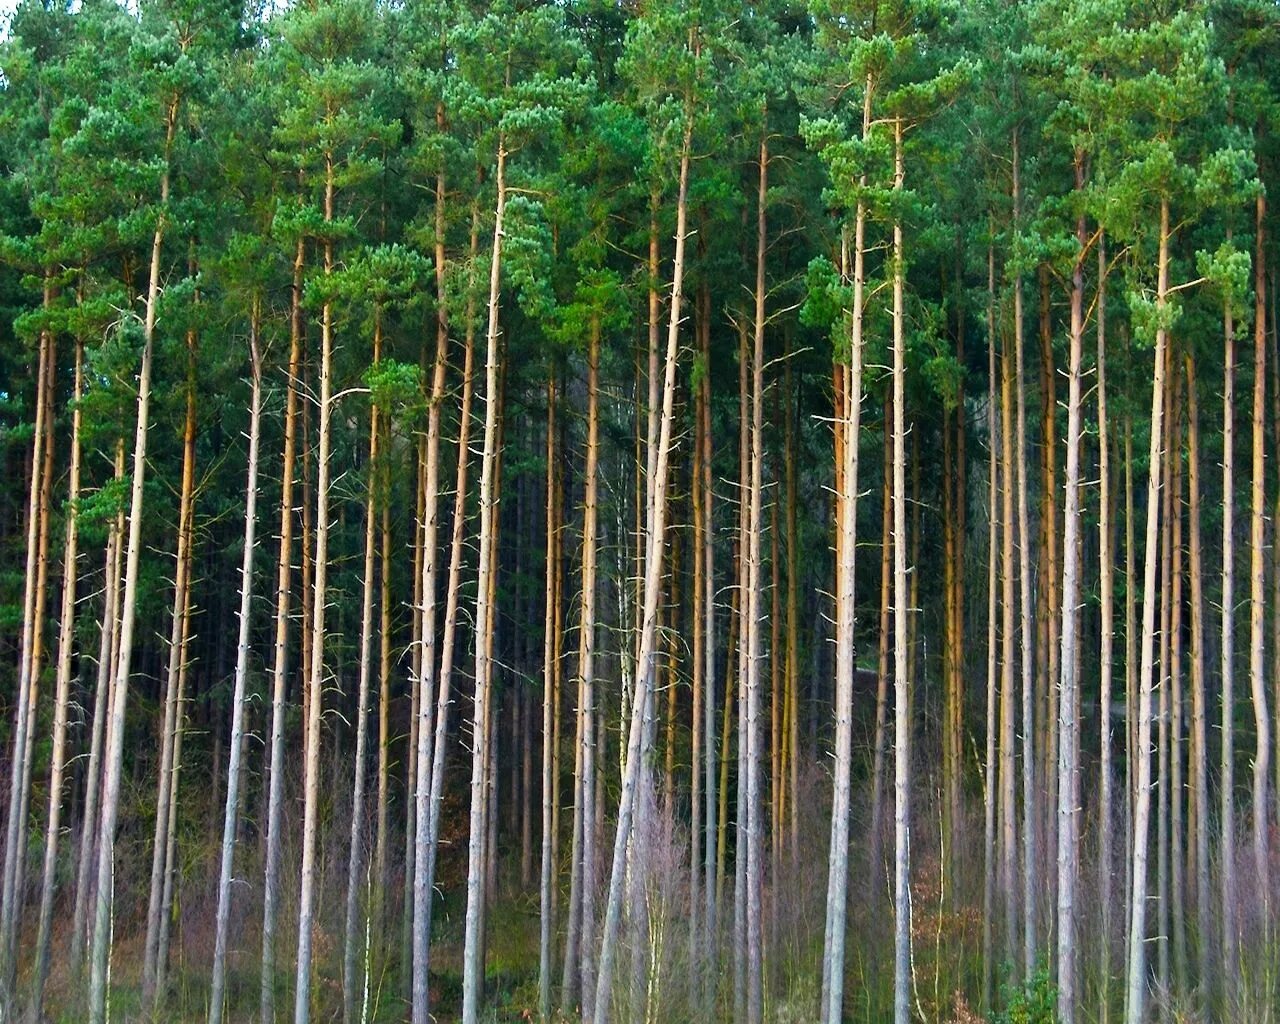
[847, 432]
[429, 812]
[755, 588]
[29, 667]
[1069, 698]
[430, 787]
[655, 538]
[1199, 737]
[1137, 974]
[994, 524]
[472, 958]
[1031, 816]
[1106, 585]
[58, 757]
[315, 675]
[550, 669]
[177, 656]
[1227, 820]
[231, 818]
[128, 614]
[108, 639]
[356, 840]
[280, 657]
[1257, 562]
[901, 613]
[710, 922]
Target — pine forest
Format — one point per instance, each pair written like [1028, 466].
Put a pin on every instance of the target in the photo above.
[640, 511]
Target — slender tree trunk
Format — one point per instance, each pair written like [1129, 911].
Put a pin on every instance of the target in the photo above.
[1069, 698]
[1227, 822]
[709, 636]
[1257, 563]
[315, 675]
[128, 614]
[280, 665]
[108, 638]
[755, 587]
[1199, 738]
[356, 841]
[182, 568]
[472, 960]
[58, 757]
[1137, 974]
[1106, 585]
[550, 669]
[847, 431]
[28, 671]
[655, 538]
[231, 818]
[994, 529]
[1031, 815]
[429, 812]
[901, 613]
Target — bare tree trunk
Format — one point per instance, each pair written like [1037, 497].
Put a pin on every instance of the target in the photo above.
[1137, 974]
[231, 818]
[25, 763]
[280, 666]
[28, 670]
[128, 614]
[356, 841]
[108, 638]
[1031, 815]
[901, 613]
[550, 669]
[1069, 697]
[170, 871]
[472, 960]
[1199, 739]
[847, 428]
[1257, 563]
[181, 587]
[1227, 821]
[1106, 584]
[655, 537]
[990, 851]
[709, 636]
[58, 757]
[311, 792]
[755, 586]
[430, 789]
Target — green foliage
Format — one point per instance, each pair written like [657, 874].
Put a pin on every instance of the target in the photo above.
[1033, 1002]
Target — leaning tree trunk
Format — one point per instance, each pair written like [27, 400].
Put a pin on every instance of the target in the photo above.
[58, 757]
[655, 537]
[28, 671]
[128, 616]
[231, 817]
[108, 639]
[170, 727]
